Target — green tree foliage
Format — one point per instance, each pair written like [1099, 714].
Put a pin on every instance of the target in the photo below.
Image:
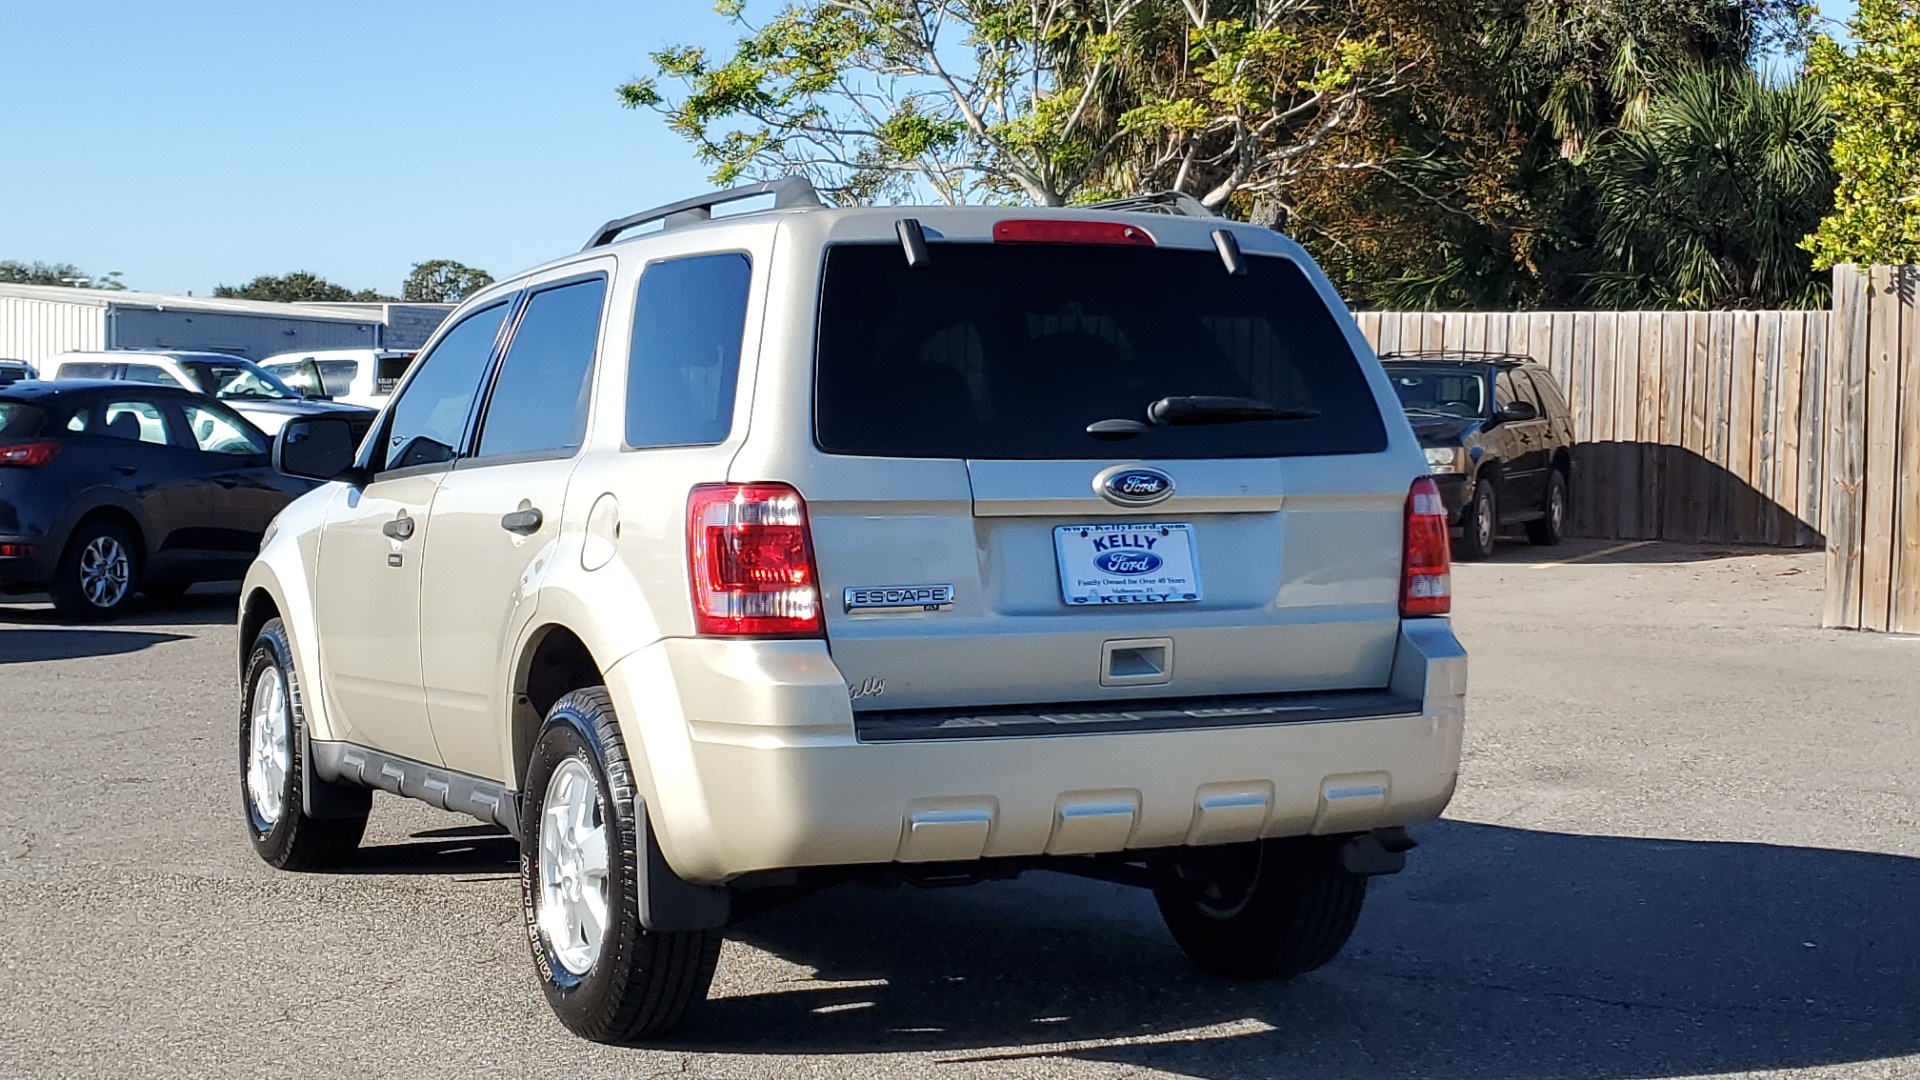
[1874, 90]
[39, 273]
[1018, 99]
[297, 287]
[1704, 203]
[443, 281]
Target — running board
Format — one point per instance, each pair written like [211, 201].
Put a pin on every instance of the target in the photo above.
[488, 800]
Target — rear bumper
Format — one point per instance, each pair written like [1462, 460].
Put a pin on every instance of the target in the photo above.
[764, 769]
[31, 572]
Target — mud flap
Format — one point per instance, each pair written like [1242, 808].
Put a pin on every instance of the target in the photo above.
[323, 799]
[667, 903]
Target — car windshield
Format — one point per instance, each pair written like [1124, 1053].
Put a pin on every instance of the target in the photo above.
[1439, 391]
[237, 379]
[19, 420]
[1033, 351]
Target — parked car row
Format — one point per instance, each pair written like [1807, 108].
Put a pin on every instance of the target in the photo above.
[253, 391]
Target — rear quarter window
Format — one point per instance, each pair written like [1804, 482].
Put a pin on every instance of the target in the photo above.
[1011, 351]
[688, 320]
[19, 420]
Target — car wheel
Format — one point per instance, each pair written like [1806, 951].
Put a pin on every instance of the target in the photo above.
[608, 978]
[98, 573]
[1480, 524]
[272, 740]
[1261, 910]
[1551, 529]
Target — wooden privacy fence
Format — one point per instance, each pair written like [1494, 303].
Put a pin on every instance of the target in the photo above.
[1697, 426]
[1873, 500]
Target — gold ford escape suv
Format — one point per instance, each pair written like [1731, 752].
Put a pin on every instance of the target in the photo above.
[915, 545]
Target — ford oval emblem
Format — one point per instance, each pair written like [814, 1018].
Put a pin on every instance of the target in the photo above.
[1134, 486]
[1128, 563]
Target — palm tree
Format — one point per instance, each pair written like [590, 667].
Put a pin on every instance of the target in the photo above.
[1705, 202]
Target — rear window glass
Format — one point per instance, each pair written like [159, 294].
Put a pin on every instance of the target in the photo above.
[19, 419]
[87, 371]
[1005, 351]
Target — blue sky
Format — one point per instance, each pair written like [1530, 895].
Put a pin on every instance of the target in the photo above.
[200, 142]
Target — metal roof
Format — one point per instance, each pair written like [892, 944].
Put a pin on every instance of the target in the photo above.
[60, 294]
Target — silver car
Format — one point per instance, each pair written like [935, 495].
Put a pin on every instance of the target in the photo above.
[758, 553]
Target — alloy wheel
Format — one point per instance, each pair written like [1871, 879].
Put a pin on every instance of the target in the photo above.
[106, 572]
[268, 760]
[572, 911]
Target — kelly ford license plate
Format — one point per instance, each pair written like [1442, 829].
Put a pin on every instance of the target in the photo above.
[1127, 564]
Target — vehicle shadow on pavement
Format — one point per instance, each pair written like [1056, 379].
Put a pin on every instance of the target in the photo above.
[1499, 953]
[30, 646]
[219, 606]
[465, 849]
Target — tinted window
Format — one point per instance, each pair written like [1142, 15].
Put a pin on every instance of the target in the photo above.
[1507, 390]
[236, 379]
[1011, 351]
[217, 432]
[139, 421]
[19, 420]
[430, 416]
[1439, 391]
[685, 360]
[1546, 392]
[539, 400]
[148, 373]
[87, 371]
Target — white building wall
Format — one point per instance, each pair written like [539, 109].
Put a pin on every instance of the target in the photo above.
[33, 330]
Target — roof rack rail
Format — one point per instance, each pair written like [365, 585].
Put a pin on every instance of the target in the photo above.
[1177, 203]
[1472, 356]
[787, 192]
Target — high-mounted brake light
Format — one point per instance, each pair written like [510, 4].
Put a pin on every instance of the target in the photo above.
[750, 559]
[30, 455]
[1426, 582]
[1057, 231]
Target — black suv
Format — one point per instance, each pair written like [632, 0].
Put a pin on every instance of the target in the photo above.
[1498, 438]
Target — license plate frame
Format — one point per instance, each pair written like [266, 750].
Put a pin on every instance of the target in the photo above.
[1167, 549]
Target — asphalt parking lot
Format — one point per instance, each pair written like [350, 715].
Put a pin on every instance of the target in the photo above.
[1685, 844]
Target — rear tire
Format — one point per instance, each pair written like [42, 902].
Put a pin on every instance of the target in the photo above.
[98, 573]
[1551, 529]
[608, 978]
[1271, 909]
[1481, 523]
[273, 728]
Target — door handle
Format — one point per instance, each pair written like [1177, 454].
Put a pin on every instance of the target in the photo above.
[524, 522]
[126, 470]
[399, 528]
[227, 482]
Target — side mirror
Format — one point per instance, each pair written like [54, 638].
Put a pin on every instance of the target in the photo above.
[1517, 412]
[317, 448]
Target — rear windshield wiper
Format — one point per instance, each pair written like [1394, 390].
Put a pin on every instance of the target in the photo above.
[1199, 409]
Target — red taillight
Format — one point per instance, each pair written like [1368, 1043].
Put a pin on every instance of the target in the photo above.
[30, 455]
[751, 562]
[1057, 231]
[15, 551]
[1426, 583]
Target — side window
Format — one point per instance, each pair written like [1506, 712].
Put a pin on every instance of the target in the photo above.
[539, 400]
[430, 416]
[685, 359]
[151, 375]
[87, 371]
[218, 433]
[337, 376]
[135, 421]
[1546, 393]
[1506, 390]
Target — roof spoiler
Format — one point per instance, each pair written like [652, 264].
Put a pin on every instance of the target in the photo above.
[788, 192]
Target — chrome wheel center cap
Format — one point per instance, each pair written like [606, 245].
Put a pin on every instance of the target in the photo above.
[571, 910]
